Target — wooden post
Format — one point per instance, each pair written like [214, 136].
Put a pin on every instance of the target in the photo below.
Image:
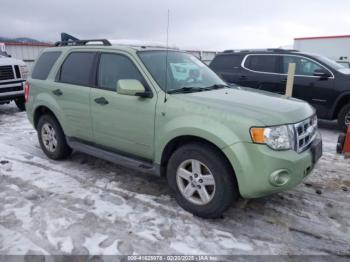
[290, 80]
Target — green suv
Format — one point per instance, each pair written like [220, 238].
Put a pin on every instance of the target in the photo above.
[162, 111]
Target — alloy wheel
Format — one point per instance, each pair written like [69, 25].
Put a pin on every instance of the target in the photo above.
[195, 182]
[48, 136]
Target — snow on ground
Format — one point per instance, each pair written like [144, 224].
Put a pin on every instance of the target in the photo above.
[85, 205]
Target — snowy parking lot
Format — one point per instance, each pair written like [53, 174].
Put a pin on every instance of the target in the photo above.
[84, 205]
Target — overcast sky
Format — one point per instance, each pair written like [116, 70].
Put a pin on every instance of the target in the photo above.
[194, 24]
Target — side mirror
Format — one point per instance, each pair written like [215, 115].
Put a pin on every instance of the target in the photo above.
[132, 87]
[322, 73]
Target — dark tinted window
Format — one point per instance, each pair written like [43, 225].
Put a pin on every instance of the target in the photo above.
[44, 64]
[303, 66]
[114, 67]
[224, 62]
[77, 69]
[262, 63]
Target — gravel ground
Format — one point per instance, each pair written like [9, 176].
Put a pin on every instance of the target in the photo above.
[84, 205]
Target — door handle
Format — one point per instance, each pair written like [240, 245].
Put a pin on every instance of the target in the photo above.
[57, 92]
[101, 101]
[284, 81]
[243, 78]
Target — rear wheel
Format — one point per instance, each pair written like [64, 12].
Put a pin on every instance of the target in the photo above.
[202, 180]
[20, 103]
[52, 139]
[344, 117]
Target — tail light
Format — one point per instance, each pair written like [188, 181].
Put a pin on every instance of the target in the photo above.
[26, 91]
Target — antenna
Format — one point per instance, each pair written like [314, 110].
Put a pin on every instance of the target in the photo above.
[166, 58]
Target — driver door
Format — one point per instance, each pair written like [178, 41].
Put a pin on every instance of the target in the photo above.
[122, 123]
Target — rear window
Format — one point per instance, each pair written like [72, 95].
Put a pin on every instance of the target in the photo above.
[224, 62]
[262, 63]
[77, 69]
[44, 65]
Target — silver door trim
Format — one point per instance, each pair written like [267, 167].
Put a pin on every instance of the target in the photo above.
[270, 73]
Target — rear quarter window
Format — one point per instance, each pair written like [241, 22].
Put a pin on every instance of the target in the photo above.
[44, 65]
[225, 62]
[262, 63]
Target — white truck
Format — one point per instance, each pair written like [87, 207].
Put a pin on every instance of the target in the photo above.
[13, 74]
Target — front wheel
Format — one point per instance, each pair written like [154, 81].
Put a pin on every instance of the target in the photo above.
[344, 117]
[202, 180]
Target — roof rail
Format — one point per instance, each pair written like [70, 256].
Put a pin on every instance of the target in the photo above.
[259, 50]
[141, 44]
[82, 42]
[281, 50]
[69, 40]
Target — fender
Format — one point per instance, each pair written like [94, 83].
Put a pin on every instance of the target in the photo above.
[208, 129]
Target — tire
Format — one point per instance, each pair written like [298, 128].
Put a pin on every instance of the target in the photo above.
[340, 143]
[20, 103]
[343, 116]
[58, 148]
[210, 160]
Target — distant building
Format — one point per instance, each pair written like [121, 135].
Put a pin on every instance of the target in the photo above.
[205, 56]
[333, 47]
[27, 52]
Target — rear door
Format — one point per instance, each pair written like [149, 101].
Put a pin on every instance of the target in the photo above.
[263, 71]
[72, 92]
[122, 123]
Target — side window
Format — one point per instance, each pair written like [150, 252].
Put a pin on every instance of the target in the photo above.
[77, 69]
[114, 67]
[225, 62]
[262, 63]
[44, 65]
[304, 66]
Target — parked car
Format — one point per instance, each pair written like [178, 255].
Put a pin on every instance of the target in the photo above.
[165, 112]
[344, 63]
[318, 80]
[13, 73]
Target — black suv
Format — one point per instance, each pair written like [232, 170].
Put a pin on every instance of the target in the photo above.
[320, 81]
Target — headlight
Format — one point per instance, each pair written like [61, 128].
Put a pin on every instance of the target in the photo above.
[276, 137]
[24, 71]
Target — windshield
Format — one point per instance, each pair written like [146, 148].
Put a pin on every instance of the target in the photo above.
[340, 68]
[184, 71]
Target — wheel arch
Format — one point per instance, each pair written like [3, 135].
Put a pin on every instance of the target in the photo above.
[179, 141]
[341, 101]
[40, 111]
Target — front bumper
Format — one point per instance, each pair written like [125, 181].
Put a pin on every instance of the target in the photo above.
[11, 90]
[257, 165]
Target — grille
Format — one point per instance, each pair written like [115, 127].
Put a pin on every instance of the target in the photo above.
[305, 133]
[6, 73]
[11, 89]
[18, 74]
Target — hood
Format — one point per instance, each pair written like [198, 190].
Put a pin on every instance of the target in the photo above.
[10, 61]
[263, 107]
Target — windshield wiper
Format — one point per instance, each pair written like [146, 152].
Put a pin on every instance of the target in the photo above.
[187, 89]
[190, 89]
[216, 86]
